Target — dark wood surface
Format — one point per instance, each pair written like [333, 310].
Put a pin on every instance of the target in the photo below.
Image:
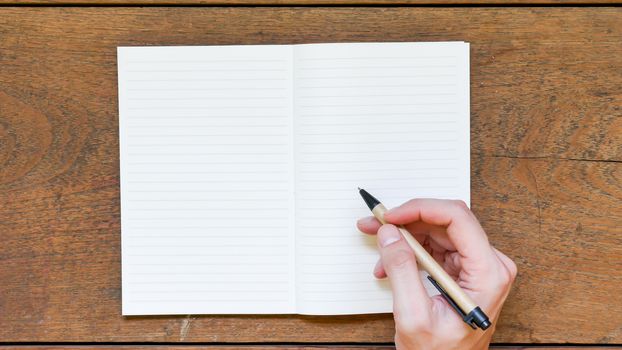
[311, 2]
[281, 347]
[546, 143]
[278, 347]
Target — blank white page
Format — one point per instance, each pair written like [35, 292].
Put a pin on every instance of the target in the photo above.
[206, 180]
[392, 118]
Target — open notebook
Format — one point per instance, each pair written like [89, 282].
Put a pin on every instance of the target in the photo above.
[240, 167]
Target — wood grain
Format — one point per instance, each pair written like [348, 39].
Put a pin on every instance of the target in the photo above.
[546, 137]
[309, 2]
[280, 347]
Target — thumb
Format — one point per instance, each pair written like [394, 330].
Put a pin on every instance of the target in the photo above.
[411, 304]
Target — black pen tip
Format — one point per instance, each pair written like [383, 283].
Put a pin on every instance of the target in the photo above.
[370, 200]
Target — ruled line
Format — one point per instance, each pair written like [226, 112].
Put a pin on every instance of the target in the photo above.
[370, 263]
[378, 104]
[376, 132]
[351, 226]
[338, 245]
[204, 181]
[254, 144]
[375, 171]
[203, 80]
[335, 254]
[208, 135]
[254, 218]
[206, 236]
[370, 281]
[371, 142]
[378, 76]
[376, 113]
[203, 108]
[207, 255]
[211, 300]
[373, 58]
[388, 179]
[258, 200]
[211, 117]
[211, 163]
[385, 151]
[206, 291]
[376, 188]
[349, 291]
[324, 300]
[210, 264]
[229, 227]
[206, 61]
[379, 67]
[201, 172]
[376, 86]
[208, 191]
[232, 125]
[206, 99]
[216, 273]
[379, 95]
[224, 88]
[198, 70]
[210, 209]
[344, 161]
[368, 123]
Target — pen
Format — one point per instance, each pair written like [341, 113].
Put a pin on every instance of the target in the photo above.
[449, 289]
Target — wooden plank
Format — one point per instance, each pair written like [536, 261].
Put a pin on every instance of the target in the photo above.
[309, 2]
[546, 168]
[280, 347]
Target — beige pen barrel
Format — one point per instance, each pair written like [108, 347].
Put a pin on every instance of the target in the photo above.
[427, 262]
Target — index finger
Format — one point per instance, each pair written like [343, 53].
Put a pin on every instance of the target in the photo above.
[462, 227]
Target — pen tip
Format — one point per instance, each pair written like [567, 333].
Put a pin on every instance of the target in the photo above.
[369, 199]
[359, 189]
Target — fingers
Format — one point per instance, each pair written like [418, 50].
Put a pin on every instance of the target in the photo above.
[379, 270]
[369, 225]
[411, 303]
[463, 229]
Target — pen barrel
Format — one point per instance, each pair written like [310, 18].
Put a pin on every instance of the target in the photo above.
[427, 262]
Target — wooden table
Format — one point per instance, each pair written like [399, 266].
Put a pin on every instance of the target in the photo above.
[546, 148]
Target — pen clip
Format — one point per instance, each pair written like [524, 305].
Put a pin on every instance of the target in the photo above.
[468, 320]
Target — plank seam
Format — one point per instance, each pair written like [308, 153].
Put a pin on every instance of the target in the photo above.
[336, 344]
[550, 157]
[336, 4]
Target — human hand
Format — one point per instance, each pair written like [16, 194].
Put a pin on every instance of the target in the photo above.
[450, 232]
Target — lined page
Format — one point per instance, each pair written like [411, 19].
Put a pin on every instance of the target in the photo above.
[206, 180]
[392, 118]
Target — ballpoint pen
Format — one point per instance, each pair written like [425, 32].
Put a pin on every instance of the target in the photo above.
[449, 289]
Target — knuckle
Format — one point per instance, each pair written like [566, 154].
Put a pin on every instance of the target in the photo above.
[505, 278]
[461, 206]
[461, 210]
[411, 203]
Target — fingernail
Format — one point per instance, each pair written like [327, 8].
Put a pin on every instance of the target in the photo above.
[388, 234]
[368, 220]
[359, 224]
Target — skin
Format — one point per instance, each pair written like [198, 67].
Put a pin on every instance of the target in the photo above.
[453, 236]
